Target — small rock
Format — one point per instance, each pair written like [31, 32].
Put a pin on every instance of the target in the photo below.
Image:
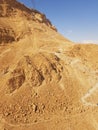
[34, 107]
[7, 114]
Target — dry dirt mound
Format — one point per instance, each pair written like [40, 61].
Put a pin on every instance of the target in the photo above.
[87, 53]
[35, 70]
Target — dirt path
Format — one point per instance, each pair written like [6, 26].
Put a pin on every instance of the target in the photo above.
[88, 94]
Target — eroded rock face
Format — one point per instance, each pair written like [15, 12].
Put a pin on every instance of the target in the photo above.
[16, 80]
[37, 16]
[7, 35]
[35, 70]
[10, 8]
[12, 11]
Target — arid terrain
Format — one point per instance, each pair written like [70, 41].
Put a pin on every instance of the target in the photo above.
[47, 82]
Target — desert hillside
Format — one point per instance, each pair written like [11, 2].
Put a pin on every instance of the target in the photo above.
[47, 82]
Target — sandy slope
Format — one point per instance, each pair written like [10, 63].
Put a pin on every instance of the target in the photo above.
[46, 81]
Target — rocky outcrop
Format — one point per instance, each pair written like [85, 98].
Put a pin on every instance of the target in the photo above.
[35, 70]
[16, 9]
[12, 11]
[7, 35]
[37, 16]
[11, 8]
[16, 80]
